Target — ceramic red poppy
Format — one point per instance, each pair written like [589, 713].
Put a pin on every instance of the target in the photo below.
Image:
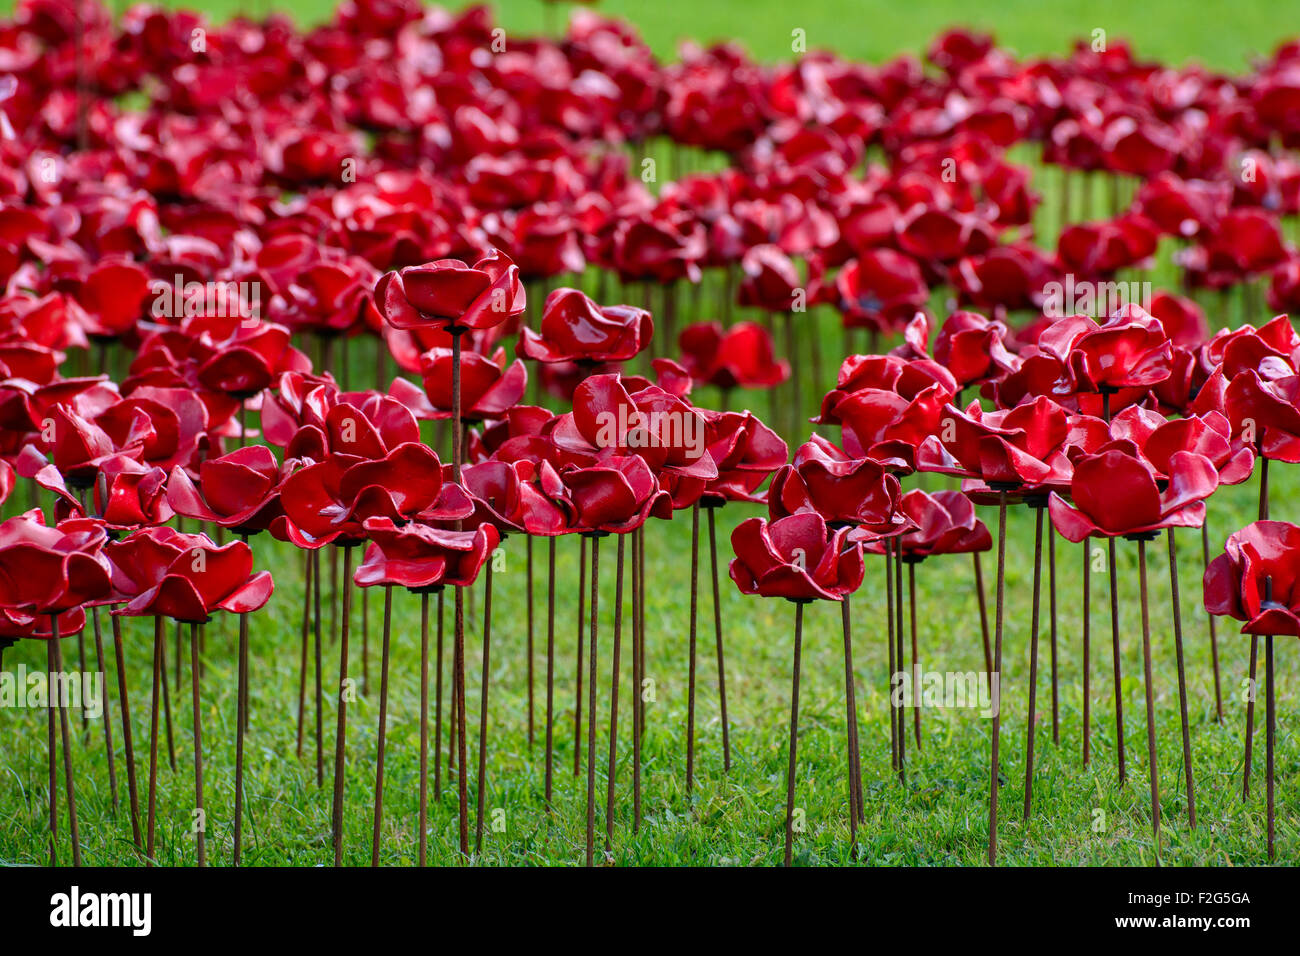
[576, 329]
[451, 294]
[1254, 580]
[795, 557]
[163, 572]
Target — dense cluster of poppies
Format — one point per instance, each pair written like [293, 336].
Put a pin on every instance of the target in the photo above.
[202, 222]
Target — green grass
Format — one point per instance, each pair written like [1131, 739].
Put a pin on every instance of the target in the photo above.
[937, 817]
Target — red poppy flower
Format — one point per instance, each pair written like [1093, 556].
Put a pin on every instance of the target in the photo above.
[1183, 207]
[881, 289]
[1256, 385]
[1117, 493]
[166, 573]
[78, 447]
[297, 399]
[488, 387]
[113, 294]
[1100, 249]
[416, 555]
[1208, 434]
[616, 493]
[1131, 350]
[576, 329]
[1284, 286]
[738, 357]
[651, 423]
[770, 281]
[971, 348]
[359, 425]
[240, 490]
[240, 357]
[136, 495]
[52, 569]
[1254, 580]
[942, 523]
[746, 453]
[175, 425]
[329, 297]
[843, 490]
[1268, 409]
[17, 624]
[887, 406]
[1243, 243]
[331, 498]
[1181, 318]
[795, 557]
[1007, 277]
[450, 294]
[936, 235]
[542, 239]
[1026, 446]
[505, 497]
[658, 249]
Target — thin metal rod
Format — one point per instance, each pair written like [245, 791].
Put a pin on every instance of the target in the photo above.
[132, 788]
[365, 641]
[167, 708]
[850, 723]
[591, 703]
[199, 836]
[483, 707]
[382, 733]
[424, 728]
[690, 683]
[241, 727]
[302, 659]
[159, 680]
[1270, 718]
[984, 612]
[717, 633]
[320, 692]
[66, 736]
[52, 784]
[437, 712]
[107, 715]
[999, 601]
[1115, 655]
[1051, 592]
[458, 690]
[1087, 650]
[1214, 638]
[1254, 651]
[1182, 680]
[582, 610]
[901, 657]
[529, 586]
[894, 713]
[637, 674]
[641, 637]
[1150, 697]
[341, 727]
[916, 657]
[550, 673]
[1250, 717]
[1033, 658]
[794, 733]
[612, 778]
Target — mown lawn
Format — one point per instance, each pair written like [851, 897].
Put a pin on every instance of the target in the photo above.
[938, 816]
